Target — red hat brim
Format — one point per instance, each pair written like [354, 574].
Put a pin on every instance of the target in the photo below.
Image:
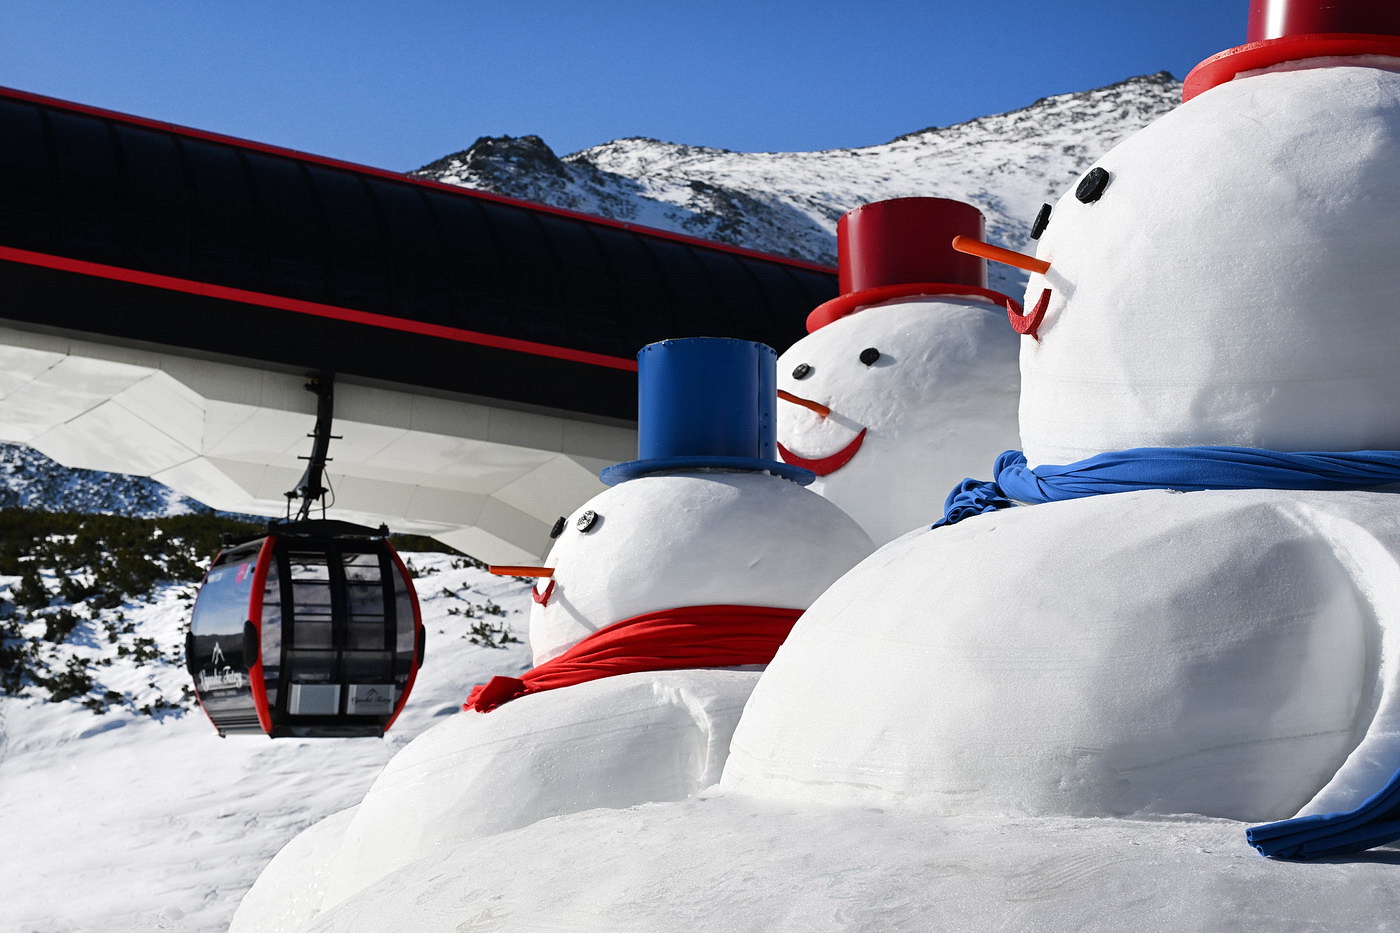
[841, 306]
[1224, 66]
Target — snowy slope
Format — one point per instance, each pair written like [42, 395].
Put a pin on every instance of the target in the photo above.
[132, 822]
[788, 203]
[30, 480]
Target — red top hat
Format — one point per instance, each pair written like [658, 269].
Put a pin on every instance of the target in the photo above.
[899, 249]
[1294, 30]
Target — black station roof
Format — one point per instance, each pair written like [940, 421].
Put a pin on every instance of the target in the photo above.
[129, 228]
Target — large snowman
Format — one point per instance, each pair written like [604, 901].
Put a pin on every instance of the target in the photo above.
[1212, 307]
[907, 381]
[660, 601]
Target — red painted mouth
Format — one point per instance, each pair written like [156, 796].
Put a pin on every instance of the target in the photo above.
[543, 598]
[824, 465]
[1028, 324]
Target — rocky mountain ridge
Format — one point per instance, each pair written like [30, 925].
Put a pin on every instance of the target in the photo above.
[788, 203]
[30, 480]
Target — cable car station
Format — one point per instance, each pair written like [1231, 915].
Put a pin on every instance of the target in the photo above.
[168, 291]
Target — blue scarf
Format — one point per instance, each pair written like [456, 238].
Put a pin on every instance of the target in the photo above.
[1185, 469]
[1191, 469]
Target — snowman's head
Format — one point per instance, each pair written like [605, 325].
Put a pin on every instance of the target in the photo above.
[893, 405]
[1227, 276]
[907, 382]
[665, 541]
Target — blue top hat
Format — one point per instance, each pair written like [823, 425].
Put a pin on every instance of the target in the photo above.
[706, 403]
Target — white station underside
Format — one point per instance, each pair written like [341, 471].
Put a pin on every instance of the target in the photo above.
[486, 479]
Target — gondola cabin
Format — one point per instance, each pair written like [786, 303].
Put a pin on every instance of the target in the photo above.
[313, 630]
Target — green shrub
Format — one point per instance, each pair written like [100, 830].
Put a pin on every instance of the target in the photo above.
[93, 564]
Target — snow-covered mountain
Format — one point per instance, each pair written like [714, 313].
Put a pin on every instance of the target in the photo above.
[30, 480]
[788, 203]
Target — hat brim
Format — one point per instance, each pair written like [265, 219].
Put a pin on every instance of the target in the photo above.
[843, 305]
[621, 472]
[1224, 66]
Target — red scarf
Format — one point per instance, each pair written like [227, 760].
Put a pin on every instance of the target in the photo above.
[672, 639]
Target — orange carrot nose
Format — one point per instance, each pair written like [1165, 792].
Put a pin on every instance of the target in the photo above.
[817, 407]
[505, 570]
[966, 244]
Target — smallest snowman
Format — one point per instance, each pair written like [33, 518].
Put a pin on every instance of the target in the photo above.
[907, 383]
[658, 606]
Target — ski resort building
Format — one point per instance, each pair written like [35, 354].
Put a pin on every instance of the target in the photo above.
[167, 292]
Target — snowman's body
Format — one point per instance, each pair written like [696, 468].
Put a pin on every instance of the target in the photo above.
[1221, 653]
[935, 405]
[649, 544]
[616, 742]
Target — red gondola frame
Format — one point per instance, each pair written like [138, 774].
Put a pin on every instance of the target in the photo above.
[273, 716]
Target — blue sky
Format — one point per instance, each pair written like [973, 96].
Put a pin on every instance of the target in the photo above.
[398, 83]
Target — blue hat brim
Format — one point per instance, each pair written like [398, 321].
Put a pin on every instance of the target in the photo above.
[621, 472]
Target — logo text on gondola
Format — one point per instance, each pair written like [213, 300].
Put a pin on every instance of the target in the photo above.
[221, 675]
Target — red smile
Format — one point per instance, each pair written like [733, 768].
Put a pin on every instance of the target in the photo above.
[1028, 324]
[824, 465]
[543, 598]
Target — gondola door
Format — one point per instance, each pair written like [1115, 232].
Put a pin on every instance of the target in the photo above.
[349, 637]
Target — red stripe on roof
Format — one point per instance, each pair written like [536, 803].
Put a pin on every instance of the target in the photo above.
[312, 308]
[407, 179]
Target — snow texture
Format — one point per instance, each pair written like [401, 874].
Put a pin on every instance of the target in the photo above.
[614, 743]
[1232, 678]
[731, 863]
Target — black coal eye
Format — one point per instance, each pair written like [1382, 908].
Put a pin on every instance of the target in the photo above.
[1042, 220]
[558, 528]
[1091, 185]
[869, 355]
[802, 371]
[586, 521]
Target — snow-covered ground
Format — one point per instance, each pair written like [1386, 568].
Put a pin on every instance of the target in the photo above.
[723, 862]
[124, 822]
